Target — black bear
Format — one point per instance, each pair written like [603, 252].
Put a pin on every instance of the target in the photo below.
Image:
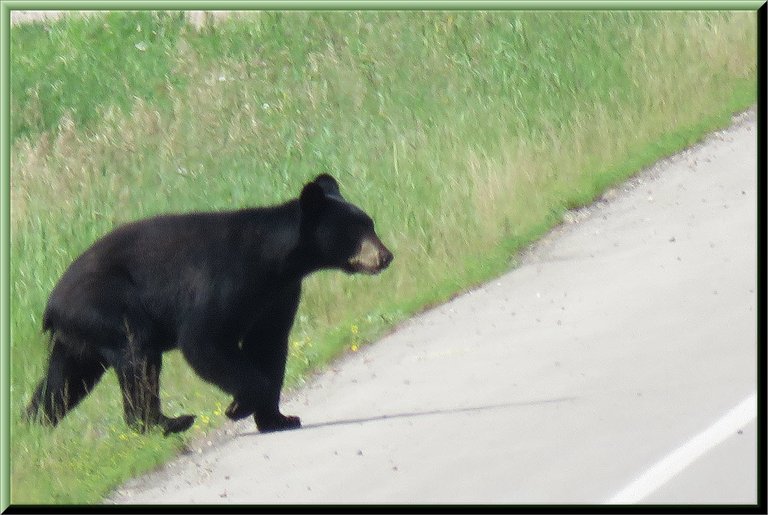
[223, 287]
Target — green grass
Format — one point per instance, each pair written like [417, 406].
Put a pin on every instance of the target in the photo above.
[81, 66]
[465, 135]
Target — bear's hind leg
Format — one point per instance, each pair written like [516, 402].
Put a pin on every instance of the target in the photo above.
[139, 377]
[70, 377]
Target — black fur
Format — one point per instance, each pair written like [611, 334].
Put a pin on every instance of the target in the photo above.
[223, 287]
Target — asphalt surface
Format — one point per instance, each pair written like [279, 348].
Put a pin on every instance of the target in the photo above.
[615, 364]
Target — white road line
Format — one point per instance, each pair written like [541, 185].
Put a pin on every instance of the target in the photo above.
[664, 470]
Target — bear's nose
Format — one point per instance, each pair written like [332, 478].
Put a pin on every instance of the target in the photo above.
[385, 258]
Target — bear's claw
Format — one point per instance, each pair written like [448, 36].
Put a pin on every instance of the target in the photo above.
[283, 423]
[237, 411]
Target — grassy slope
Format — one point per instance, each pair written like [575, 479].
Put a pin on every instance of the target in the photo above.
[464, 135]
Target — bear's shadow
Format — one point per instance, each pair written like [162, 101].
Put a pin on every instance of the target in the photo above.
[425, 413]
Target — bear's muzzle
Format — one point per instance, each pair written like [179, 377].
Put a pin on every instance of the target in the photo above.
[371, 258]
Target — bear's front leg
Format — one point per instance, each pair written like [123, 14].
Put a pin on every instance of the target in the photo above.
[266, 347]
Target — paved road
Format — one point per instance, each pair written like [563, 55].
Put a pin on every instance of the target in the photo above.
[615, 364]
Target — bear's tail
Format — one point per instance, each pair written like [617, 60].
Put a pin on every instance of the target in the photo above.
[68, 379]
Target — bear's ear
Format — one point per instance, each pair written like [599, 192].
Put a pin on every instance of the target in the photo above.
[328, 184]
[312, 198]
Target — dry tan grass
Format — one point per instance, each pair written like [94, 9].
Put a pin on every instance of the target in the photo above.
[196, 18]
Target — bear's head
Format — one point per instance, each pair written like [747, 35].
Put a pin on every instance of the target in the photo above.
[341, 234]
